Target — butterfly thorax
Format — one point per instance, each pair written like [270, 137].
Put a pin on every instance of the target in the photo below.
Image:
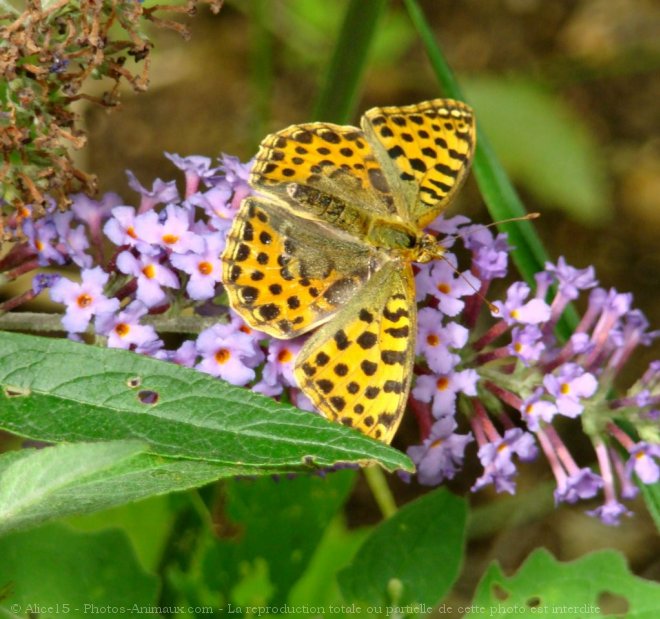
[403, 240]
[400, 238]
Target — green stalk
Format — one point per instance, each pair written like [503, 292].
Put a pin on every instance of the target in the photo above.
[338, 96]
[381, 492]
[500, 196]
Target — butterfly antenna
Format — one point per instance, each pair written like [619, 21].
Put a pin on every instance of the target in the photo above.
[491, 307]
[527, 217]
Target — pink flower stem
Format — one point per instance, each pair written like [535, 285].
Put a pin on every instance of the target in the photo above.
[551, 455]
[560, 449]
[492, 334]
[489, 430]
[422, 412]
[26, 267]
[620, 436]
[504, 394]
[605, 471]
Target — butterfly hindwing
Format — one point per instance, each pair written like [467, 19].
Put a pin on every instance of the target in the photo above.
[357, 368]
[286, 275]
[425, 152]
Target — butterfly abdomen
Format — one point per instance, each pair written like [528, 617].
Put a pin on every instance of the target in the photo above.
[330, 209]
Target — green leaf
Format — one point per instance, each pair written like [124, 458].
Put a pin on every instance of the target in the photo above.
[147, 523]
[272, 528]
[581, 589]
[53, 572]
[57, 390]
[41, 485]
[32, 481]
[411, 559]
[336, 550]
[543, 145]
[341, 86]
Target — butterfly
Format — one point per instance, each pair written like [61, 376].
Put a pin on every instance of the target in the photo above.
[328, 240]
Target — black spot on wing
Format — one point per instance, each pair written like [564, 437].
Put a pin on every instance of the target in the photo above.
[393, 357]
[369, 367]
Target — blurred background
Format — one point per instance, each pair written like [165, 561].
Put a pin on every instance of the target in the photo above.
[568, 91]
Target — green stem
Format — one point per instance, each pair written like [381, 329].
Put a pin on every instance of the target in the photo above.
[496, 188]
[500, 196]
[339, 92]
[261, 66]
[35, 322]
[380, 490]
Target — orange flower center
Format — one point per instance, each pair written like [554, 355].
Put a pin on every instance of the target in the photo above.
[442, 383]
[432, 339]
[205, 268]
[517, 347]
[245, 329]
[284, 356]
[170, 239]
[39, 245]
[222, 356]
[444, 288]
[130, 231]
[84, 300]
[122, 329]
[565, 389]
[149, 271]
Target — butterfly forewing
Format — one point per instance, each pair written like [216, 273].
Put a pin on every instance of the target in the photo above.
[335, 160]
[286, 275]
[357, 368]
[425, 151]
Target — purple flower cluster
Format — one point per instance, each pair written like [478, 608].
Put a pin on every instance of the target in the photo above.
[509, 380]
[163, 256]
[514, 379]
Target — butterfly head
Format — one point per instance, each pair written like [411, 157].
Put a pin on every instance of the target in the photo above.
[428, 249]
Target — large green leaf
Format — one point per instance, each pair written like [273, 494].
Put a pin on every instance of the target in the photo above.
[46, 484]
[57, 390]
[53, 572]
[584, 589]
[273, 527]
[317, 586]
[410, 560]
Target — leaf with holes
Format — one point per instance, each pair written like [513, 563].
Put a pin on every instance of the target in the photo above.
[590, 587]
[60, 391]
